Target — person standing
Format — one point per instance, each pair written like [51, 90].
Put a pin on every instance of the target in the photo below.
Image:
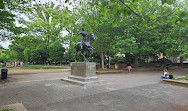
[21, 64]
[129, 67]
[16, 63]
[167, 66]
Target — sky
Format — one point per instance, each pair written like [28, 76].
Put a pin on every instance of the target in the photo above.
[5, 44]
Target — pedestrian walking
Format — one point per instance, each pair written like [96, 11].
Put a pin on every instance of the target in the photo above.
[129, 67]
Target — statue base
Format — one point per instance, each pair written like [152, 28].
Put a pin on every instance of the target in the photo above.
[82, 73]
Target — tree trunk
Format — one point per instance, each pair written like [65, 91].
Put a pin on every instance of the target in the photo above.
[102, 59]
[109, 63]
[136, 60]
[181, 61]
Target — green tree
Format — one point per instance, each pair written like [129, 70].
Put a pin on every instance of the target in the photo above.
[139, 27]
[57, 51]
[47, 22]
[28, 49]
[10, 10]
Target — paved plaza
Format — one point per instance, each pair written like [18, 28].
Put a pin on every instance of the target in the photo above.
[137, 91]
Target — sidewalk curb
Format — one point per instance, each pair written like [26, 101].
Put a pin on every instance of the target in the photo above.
[109, 72]
[175, 82]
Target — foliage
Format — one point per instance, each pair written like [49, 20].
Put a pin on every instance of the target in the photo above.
[137, 28]
[47, 23]
[3, 56]
[10, 10]
[119, 60]
[44, 40]
[57, 52]
[148, 32]
[33, 49]
[27, 48]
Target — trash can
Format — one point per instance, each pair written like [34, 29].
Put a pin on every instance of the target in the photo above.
[4, 73]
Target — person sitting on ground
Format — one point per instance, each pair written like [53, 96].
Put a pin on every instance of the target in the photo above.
[165, 74]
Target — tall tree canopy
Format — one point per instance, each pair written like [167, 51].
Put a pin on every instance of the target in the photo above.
[140, 28]
[11, 10]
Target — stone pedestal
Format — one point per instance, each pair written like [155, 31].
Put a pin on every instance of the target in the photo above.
[82, 73]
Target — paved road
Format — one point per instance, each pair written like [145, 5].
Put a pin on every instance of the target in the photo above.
[138, 91]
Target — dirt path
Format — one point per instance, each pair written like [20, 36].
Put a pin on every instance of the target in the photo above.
[35, 71]
[174, 71]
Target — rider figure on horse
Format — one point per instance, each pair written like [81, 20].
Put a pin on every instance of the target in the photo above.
[85, 45]
[83, 33]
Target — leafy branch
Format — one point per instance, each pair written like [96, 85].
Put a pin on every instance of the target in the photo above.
[130, 8]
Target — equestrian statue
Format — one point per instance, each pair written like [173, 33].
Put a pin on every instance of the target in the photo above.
[85, 45]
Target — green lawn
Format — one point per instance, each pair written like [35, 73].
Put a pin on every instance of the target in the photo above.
[36, 67]
[182, 78]
[5, 109]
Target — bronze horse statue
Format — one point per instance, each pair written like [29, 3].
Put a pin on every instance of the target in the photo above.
[87, 47]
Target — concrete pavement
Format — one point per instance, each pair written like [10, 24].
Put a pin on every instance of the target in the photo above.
[138, 91]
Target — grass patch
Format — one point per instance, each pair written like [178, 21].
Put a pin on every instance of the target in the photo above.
[5, 109]
[67, 65]
[182, 78]
[36, 67]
